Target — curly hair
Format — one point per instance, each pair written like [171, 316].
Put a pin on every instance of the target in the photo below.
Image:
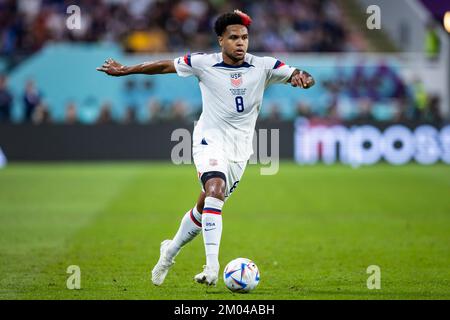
[226, 19]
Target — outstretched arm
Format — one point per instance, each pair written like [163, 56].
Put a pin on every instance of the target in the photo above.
[301, 79]
[116, 69]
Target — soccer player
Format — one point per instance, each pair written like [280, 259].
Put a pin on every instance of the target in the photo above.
[232, 85]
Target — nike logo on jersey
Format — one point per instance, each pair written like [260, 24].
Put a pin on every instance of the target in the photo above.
[210, 229]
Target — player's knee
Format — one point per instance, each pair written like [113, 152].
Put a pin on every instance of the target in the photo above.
[214, 184]
[215, 188]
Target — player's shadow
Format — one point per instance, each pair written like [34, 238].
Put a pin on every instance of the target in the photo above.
[249, 295]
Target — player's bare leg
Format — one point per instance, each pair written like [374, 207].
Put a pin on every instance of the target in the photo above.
[190, 227]
[212, 229]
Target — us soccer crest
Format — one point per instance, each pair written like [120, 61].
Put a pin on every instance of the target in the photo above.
[236, 79]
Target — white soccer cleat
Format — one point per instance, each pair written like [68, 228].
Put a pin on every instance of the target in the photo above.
[161, 269]
[209, 276]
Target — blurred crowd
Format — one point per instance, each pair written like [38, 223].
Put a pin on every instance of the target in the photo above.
[178, 25]
[374, 93]
[35, 109]
[379, 96]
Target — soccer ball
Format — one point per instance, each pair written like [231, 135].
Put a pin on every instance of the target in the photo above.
[241, 275]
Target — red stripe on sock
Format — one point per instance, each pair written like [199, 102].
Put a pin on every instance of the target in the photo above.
[195, 220]
[211, 211]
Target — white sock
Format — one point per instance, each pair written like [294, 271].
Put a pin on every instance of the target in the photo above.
[212, 229]
[190, 227]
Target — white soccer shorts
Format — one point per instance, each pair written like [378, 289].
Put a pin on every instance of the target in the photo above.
[208, 158]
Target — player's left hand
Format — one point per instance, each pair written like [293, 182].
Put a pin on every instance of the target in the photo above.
[302, 79]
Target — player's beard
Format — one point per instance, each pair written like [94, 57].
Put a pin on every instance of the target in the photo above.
[240, 55]
[235, 56]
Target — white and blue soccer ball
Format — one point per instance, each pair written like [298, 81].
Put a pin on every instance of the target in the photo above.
[241, 275]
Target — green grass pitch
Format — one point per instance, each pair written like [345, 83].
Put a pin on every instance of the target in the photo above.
[312, 231]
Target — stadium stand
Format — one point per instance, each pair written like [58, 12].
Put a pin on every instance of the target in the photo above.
[36, 47]
[168, 26]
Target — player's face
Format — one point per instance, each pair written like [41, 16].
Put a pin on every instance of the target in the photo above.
[234, 41]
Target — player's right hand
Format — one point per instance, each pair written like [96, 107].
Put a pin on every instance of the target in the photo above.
[112, 68]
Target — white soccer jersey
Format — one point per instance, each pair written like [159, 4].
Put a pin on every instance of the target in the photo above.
[232, 97]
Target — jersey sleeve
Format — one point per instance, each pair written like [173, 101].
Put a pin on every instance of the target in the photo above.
[277, 71]
[188, 65]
